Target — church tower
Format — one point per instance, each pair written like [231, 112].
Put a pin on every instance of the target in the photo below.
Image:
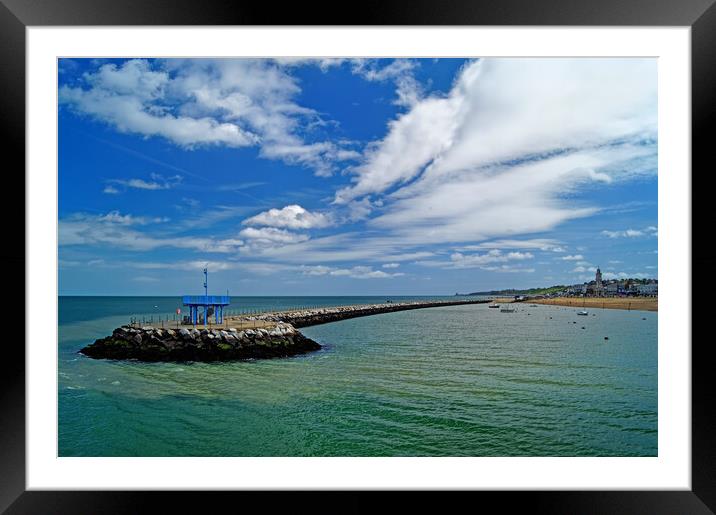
[599, 287]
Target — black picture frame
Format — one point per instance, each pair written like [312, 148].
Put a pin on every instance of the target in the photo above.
[16, 15]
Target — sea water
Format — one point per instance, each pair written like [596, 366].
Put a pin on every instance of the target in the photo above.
[449, 381]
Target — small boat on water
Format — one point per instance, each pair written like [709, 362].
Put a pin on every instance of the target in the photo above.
[507, 309]
[493, 306]
[583, 313]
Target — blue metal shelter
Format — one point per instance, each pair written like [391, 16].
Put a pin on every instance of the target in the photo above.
[209, 304]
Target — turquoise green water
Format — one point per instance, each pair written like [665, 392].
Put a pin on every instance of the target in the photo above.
[453, 381]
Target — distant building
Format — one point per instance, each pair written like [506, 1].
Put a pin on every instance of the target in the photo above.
[649, 289]
[612, 288]
[578, 289]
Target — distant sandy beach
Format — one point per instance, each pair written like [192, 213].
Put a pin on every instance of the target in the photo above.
[636, 304]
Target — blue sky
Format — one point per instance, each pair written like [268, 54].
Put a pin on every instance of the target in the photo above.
[354, 176]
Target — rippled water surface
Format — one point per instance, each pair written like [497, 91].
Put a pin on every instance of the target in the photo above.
[453, 381]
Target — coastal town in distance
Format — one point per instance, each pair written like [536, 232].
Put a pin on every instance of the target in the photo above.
[259, 257]
[611, 293]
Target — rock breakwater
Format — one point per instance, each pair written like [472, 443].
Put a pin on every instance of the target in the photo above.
[305, 318]
[192, 344]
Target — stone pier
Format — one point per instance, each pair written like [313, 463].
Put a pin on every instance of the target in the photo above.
[270, 335]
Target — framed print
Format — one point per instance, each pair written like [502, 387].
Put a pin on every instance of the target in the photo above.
[420, 252]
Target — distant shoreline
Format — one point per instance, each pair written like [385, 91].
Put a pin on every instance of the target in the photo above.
[633, 304]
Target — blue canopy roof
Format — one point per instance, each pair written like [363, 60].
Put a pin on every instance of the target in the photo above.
[206, 300]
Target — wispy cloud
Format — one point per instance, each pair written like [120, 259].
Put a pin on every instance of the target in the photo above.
[499, 153]
[543, 244]
[240, 186]
[271, 236]
[203, 218]
[582, 269]
[115, 217]
[632, 233]
[495, 260]
[460, 260]
[115, 230]
[356, 272]
[207, 102]
[408, 90]
[399, 71]
[509, 269]
[110, 190]
[156, 182]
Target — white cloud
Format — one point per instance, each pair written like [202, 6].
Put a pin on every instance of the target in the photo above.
[413, 139]
[229, 102]
[626, 275]
[499, 154]
[359, 210]
[157, 182]
[408, 90]
[547, 245]
[371, 70]
[509, 269]
[488, 261]
[111, 190]
[291, 217]
[323, 63]
[356, 272]
[213, 266]
[115, 217]
[114, 230]
[208, 217]
[460, 260]
[400, 71]
[252, 267]
[316, 270]
[391, 265]
[271, 236]
[127, 97]
[582, 269]
[632, 233]
[352, 246]
[575, 257]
